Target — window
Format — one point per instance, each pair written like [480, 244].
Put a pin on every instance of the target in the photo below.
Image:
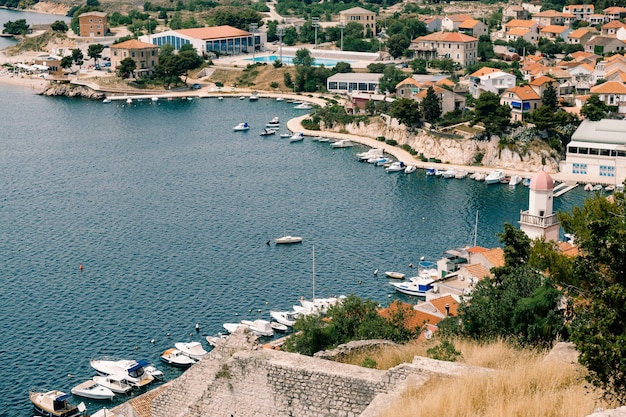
[593, 151]
[579, 169]
[572, 149]
[607, 171]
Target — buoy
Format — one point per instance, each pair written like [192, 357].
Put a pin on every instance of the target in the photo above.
[410, 265]
[152, 341]
[168, 335]
[360, 282]
[69, 375]
[236, 314]
[422, 258]
[136, 347]
[376, 272]
[197, 327]
[80, 267]
[259, 310]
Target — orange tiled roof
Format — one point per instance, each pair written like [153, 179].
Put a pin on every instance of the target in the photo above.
[133, 44]
[215, 32]
[459, 17]
[469, 23]
[519, 23]
[518, 31]
[579, 33]
[496, 255]
[438, 90]
[477, 249]
[616, 57]
[445, 81]
[477, 270]
[553, 29]
[447, 37]
[609, 87]
[407, 81]
[544, 79]
[548, 13]
[613, 24]
[580, 55]
[614, 9]
[412, 318]
[485, 71]
[568, 249]
[440, 304]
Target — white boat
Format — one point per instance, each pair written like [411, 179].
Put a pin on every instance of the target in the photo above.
[494, 177]
[286, 239]
[155, 99]
[372, 153]
[254, 96]
[288, 318]
[268, 132]
[303, 106]
[396, 166]
[192, 349]
[154, 372]
[479, 176]
[296, 137]
[460, 174]
[133, 371]
[91, 389]
[106, 100]
[220, 98]
[439, 172]
[217, 339]
[526, 182]
[395, 275]
[410, 169]
[597, 187]
[129, 100]
[515, 179]
[609, 188]
[344, 143]
[280, 99]
[241, 127]
[431, 171]
[275, 122]
[233, 327]
[449, 173]
[417, 286]
[279, 327]
[53, 404]
[382, 161]
[285, 135]
[588, 187]
[259, 327]
[115, 383]
[175, 357]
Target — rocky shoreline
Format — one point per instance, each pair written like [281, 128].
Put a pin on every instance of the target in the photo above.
[71, 90]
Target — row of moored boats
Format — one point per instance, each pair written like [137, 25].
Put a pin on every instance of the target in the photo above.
[496, 176]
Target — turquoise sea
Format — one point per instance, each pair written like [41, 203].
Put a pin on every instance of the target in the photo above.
[168, 211]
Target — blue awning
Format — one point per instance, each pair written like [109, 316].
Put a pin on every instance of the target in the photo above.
[63, 397]
[140, 364]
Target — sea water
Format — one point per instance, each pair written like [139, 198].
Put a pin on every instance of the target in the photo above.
[169, 212]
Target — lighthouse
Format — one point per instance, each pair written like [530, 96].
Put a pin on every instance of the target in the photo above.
[539, 221]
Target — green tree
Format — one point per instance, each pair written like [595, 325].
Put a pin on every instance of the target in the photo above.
[188, 59]
[390, 78]
[407, 112]
[95, 51]
[66, 62]
[398, 44]
[342, 67]
[59, 26]
[594, 108]
[597, 288]
[549, 98]
[239, 17]
[494, 116]
[431, 106]
[126, 67]
[418, 65]
[77, 56]
[17, 27]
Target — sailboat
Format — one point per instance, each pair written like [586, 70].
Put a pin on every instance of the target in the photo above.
[316, 305]
[287, 239]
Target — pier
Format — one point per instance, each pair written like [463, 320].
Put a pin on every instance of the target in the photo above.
[564, 187]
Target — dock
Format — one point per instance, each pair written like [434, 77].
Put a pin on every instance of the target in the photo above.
[563, 187]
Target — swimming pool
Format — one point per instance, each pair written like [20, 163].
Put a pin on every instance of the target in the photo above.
[288, 60]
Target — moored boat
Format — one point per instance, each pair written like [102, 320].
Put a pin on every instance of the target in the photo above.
[494, 177]
[303, 106]
[53, 404]
[241, 127]
[396, 166]
[175, 357]
[279, 327]
[515, 179]
[275, 122]
[344, 143]
[259, 327]
[215, 340]
[296, 137]
[133, 371]
[192, 349]
[268, 132]
[431, 171]
[371, 153]
[288, 318]
[460, 174]
[285, 240]
[417, 286]
[115, 383]
[449, 173]
[91, 389]
[395, 275]
[410, 169]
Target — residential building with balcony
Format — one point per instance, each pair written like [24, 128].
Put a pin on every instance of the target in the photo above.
[522, 100]
[93, 24]
[461, 48]
[365, 17]
[145, 55]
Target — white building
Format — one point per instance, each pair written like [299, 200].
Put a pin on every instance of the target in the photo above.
[540, 221]
[490, 79]
[351, 82]
[597, 152]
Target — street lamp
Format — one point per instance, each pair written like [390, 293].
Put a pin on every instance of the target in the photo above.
[342, 27]
[280, 31]
[315, 22]
[253, 29]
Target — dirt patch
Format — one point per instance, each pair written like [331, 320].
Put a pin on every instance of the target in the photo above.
[51, 8]
[266, 75]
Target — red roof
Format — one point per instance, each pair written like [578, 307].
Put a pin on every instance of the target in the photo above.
[447, 37]
[542, 181]
[215, 32]
[133, 44]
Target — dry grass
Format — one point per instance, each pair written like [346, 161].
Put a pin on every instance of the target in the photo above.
[265, 75]
[523, 384]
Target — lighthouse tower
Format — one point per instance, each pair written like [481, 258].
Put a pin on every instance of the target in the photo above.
[539, 221]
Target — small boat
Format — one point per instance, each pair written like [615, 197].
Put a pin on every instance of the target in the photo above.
[91, 389]
[515, 179]
[396, 166]
[410, 169]
[254, 96]
[53, 404]
[220, 98]
[106, 100]
[344, 143]
[494, 177]
[259, 327]
[439, 172]
[296, 137]
[287, 240]
[129, 100]
[480, 176]
[588, 187]
[175, 357]
[372, 153]
[324, 140]
[217, 339]
[288, 318]
[449, 173]
[460, 174]
[395, 275]
[280, 99]
[279, 327]
[505, 180]
[382, 161]
[597, 187]
[115, 383]
[430, 171]
[242, 97]
[155, 99]
[609, 188]
[285, 135]
[154, 372]
[275, 122]
[133, 371]
[241, 127]
[268, 132]
[526, 182]
[303, 106]
[192, 349]
[232, 327]
[417, 286]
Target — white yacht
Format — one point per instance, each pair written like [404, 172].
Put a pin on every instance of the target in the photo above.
[344, 143]
[288, 318]
[175, 357]
[133, 371]
[115, 383]
[241, 127]
[494, 177]
[285, 240]
[91, 389]
[259, 327]
[192, 349]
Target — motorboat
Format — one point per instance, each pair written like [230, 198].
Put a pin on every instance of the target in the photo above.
[494, 177]
[324, 140]
[115, 383]
[382, 161]
[439, 172]
[268, 132]
[233, 327]
[588, 187]
[241, 127]
[515, 179]
[285, 135]
[129, 100]
[133, 371]
[254, 96]
[609, 188]
[449, 173]
[280, 99]
[192, 349]
[154, 372]
[220, 98]
[288, 318]
[217, 339]
[259, 327]
[430, 171]
[303, 106]
[505, 180]
[526, 182]
[396, 166]
[344, 143]
[417, 286]
[372, 153]
[279, 327]
[175, 357]
[285, 240]
[296, 137]
[460, 174]
[395, 275]
[155, 99]
[53, 404]
[275, 122]
[242, 97]
[597, 187]
[106, 100]
[410, 169]
[91, 389]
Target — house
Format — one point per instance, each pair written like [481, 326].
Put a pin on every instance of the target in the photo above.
[580, 36]
[612, 93]
[581, 11]
[343, 83]
[448, 100]
[582, 74]
[53, 63]
[597, 19]
[432, 23]
[597, 152]
[145, 55]
[474, 28]
[615, 13]
[608, 66]
[365, 17]
[224, 40]
[610, 29]
[514, 34]
[513, 11]
[358, 101]
[413, 318]
[602, 45]
[540, 84]
[553, 32]
[452, 22]
[461, 48]
[93, 24]
[522, 100]
[548, 18]
[490, 79]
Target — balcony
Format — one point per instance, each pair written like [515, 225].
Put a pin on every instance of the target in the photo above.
[532, 220]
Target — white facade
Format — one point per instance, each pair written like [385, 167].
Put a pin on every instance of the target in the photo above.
[352, 82]
[540, 221]
[496, 82]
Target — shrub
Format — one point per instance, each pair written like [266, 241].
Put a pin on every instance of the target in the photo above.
[408, 148]
[391, 142]
[369, 363]
[380, 138]
[444, 351]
